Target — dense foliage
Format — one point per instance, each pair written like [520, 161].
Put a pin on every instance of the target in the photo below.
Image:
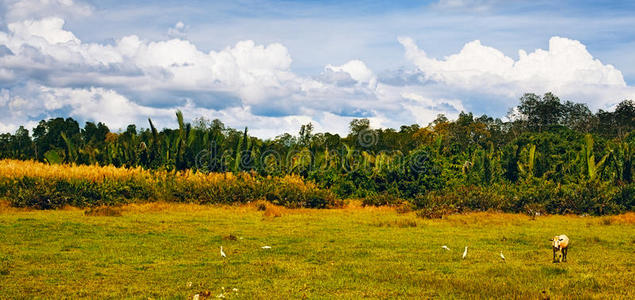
[552, 156]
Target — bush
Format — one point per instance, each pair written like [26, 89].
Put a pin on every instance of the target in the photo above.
[436, 211]
[625, 198]
[537, 196]
[381, 199]
[465, 198]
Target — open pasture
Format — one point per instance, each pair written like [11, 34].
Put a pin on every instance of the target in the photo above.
[160, 250]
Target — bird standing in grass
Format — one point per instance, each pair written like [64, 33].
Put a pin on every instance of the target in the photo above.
[502, 256]
[445, 247]
[465, 252]
[222, 253]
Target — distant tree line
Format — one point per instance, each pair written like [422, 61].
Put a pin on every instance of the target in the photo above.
[547, 146]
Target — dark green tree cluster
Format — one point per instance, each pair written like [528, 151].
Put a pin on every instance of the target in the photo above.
[550, 156]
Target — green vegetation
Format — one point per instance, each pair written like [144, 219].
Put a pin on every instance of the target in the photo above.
[154, 250]
[553, 156]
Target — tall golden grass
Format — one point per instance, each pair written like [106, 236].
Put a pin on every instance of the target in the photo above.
[40, 185]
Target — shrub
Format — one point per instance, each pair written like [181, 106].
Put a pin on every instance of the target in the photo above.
[625, 197]
[465, 198]
[404, 207]
[260, 205]
[380, 199]
[536, 196]
[436, 211]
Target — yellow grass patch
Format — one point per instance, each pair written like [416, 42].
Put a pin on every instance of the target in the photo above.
[5, 207]
[627, 218]
[103, 211]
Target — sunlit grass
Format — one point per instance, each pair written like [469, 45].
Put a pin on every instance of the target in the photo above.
[40, 185]
[157, 249]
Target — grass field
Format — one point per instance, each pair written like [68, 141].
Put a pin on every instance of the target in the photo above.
[172, 251]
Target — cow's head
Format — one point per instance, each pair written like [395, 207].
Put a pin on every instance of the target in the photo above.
[555, 242]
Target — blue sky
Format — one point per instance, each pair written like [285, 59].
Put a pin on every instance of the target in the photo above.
[275, 65]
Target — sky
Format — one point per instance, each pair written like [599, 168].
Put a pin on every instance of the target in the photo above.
[274, 65]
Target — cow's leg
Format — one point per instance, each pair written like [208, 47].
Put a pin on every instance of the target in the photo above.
[564, 253]
[554, 254]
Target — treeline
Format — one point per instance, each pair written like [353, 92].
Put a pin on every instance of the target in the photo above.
[552, 156]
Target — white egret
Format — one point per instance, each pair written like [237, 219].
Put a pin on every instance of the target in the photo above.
[445, 247]
[502, 256]
[465, 252]
[266, 247]
[222, 253]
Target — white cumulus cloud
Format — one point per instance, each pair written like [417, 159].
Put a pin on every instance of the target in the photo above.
[565, 68]
[46, 70]
[357, 70]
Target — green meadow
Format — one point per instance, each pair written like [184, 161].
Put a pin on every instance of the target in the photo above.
[173, 251]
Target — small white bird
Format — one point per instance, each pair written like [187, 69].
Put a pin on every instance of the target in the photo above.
[196, 297]
[222, 253]
[502, 256]
[266, 247]
[445, 247]
[465, 252]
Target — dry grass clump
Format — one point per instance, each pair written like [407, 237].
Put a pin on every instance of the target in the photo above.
[269, 210]
[103, 211]
[5, 207]
[230, 237]
[274, 211]
[627, 218]
[260, 205]
[401, 223]
[162, 206]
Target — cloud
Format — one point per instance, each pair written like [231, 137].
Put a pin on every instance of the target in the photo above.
[426, 109]
[178, 30]
[26, 105]
[48, 70]
[34, 9]
[170, 73]
[32, 101]
[49, 29]
[357, 71]
[254, 72]
[565, 68]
